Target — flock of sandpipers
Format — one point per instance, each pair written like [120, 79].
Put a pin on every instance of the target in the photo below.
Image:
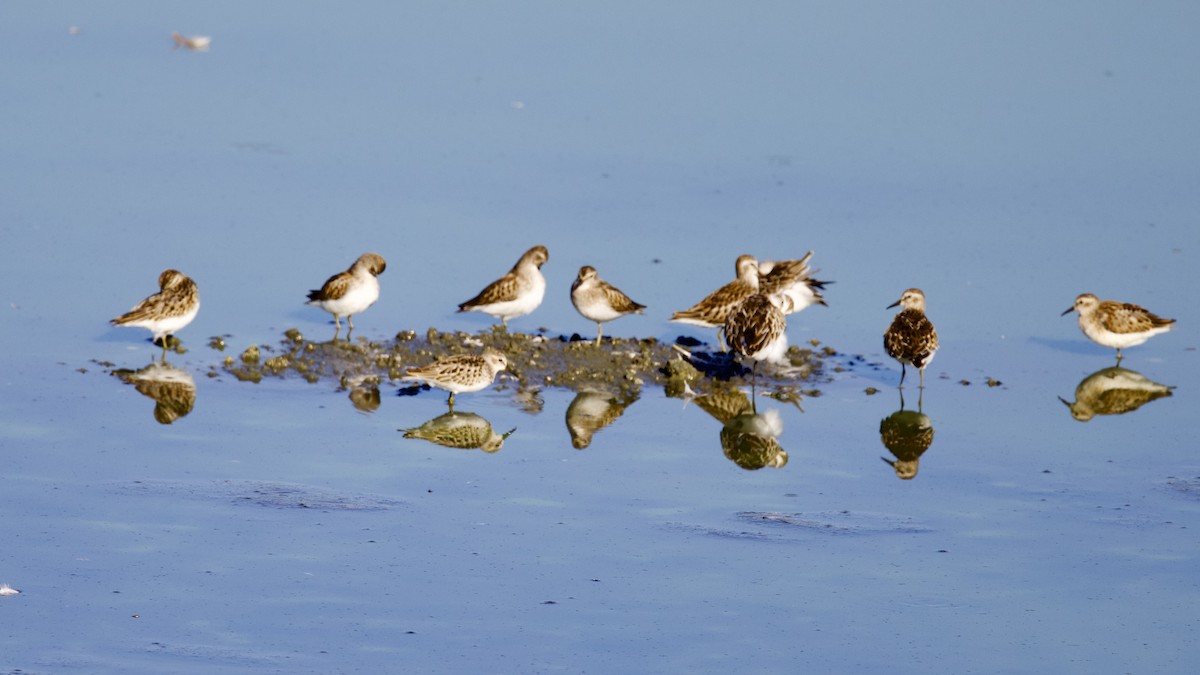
[749, 312]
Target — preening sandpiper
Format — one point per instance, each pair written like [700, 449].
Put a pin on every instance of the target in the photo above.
[599, 301]
[350, 292]
[911, 339]
[170, 309]
[1117, 324]
[713, 310]
[793, 280]
[515, 294]
[461, 373]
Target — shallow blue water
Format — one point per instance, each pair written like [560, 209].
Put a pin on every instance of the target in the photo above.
[1003, 159]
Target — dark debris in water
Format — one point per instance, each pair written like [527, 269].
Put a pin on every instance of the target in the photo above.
[841, 522]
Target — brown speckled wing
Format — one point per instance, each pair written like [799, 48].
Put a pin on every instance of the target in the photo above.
[334, 288]
[163, 305]
[715, 308]
[618, 300]
[911, 338]
[462, 367]
[503, 289]
[784, 274]
[753, 325]
[1127, 318]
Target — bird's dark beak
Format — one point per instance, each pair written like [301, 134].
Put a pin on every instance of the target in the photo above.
[1069, 310]
[894, 304]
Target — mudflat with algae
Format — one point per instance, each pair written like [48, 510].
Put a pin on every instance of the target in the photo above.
[537, 361]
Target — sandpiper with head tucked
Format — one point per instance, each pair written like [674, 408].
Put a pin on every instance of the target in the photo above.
[515, 294]
[350, 292]
[461, 373]
[599, 301]
[713, 310]
[167, 311]
[911, 339]
[1117, 324]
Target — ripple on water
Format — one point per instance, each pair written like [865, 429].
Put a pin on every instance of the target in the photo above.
[262, 493]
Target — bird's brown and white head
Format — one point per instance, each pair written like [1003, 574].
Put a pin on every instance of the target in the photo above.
[1084, 304]
[913, 298]
[372, 263]
[171, 279]
[496, 361]
[536, 256]
[747, 269]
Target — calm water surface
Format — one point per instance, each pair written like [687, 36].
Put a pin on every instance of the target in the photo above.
[1004, 159]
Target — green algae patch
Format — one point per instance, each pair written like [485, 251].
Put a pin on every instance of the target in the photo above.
[622, 366]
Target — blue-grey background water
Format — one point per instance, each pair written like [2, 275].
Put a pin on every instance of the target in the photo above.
[1003, 157]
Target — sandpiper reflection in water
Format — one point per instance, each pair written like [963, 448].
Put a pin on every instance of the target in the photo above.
[463, 430]
[365, 397]
[173, 389]
[1113, 391]
[907, 434]
[751, 440]
[591, 411]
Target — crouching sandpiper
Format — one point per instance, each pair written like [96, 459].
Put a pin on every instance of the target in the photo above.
[461, 373]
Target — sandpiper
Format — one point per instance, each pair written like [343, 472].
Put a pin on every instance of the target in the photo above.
[515, 294]
[1117, 324]
[911, 339]
[599, 301]
[167, 311]
[713, 310]
[793, 279]
[350, 292]
[461, 373]
[757, 329]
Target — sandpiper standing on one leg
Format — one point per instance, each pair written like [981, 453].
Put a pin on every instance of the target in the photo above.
[599, 301]
[911, 339]
[713, 310]
[1117, 324]
[461, 373]
[350, 292]
[170, 309]
[515, 294]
